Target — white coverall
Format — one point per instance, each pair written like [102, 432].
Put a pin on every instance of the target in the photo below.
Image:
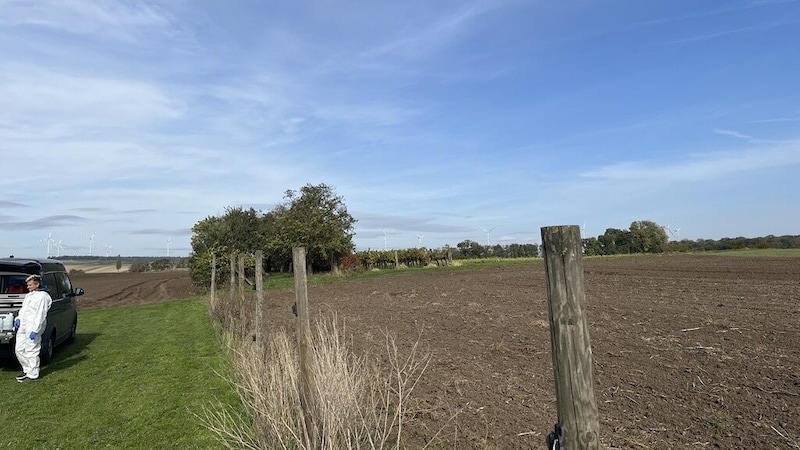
[32, 317]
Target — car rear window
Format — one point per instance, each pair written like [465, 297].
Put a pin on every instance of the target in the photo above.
[13, 284]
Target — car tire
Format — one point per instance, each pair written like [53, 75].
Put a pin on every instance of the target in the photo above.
[73, 332]
[48, 349]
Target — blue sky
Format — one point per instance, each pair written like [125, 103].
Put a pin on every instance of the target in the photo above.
[127, 122]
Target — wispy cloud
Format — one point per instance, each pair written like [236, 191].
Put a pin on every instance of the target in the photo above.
[733, 133]
[111, 19]
[33, 94]
[42, 223]
[427, 39]
[163, 232]
[777, 119]
[722, 33]
[8, 204]
[701, 167]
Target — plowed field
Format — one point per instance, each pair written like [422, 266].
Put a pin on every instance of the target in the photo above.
[689, 351]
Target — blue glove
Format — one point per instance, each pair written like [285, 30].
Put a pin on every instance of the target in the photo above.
[16, 324]
[33, 335]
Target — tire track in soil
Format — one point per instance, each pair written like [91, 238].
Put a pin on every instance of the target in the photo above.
[132, 289]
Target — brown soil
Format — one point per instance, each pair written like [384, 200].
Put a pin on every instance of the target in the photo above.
[689, 351]
[127, 288]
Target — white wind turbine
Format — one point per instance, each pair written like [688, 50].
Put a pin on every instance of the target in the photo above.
[59, 248]
[91, 242]
[419, 240]
[385, 235]
[108, 249]
[674, 232]
[487, 234]
[48, 241]
[169, 241]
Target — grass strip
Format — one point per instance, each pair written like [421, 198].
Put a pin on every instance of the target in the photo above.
[133, 379]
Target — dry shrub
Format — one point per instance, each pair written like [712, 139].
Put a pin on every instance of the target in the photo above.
[356, 401]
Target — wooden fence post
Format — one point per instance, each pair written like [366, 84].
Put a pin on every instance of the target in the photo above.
[213, 297]
[241, 283]
[233, 277]
[303, 341]
[259, 294]
[578, 422]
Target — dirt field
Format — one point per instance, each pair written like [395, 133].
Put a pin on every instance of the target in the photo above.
[689, 351]
[105, 289]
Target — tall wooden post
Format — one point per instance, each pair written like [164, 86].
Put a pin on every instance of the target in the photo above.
[241, 284]
[213, 295]
[233, 277]
[578, 422]
[304, 341]
[259, 294]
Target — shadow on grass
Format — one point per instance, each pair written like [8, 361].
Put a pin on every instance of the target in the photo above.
[65, 356]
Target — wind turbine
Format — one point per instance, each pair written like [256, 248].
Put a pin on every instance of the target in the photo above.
[385, 234]
[169, 240]
[108, 248]
[674, 232]
[91, 241]
[49, 240]
[59, 248]
[487, 234]
[419, 240]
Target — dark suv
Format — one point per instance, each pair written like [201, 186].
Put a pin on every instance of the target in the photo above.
[62, 319]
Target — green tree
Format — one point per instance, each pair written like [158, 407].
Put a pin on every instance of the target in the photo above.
[592, 247]
[470, 249]
[237, 231]
[648, 237]
[119, 262]
[615, 242]
[316, 218]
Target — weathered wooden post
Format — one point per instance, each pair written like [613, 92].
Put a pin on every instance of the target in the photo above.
[259, 295]
[233, 277]
[304, 341]
[578, 424]
[213, 297]
[241, 284]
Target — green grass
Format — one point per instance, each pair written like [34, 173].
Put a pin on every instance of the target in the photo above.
[133, 379]
[286, 280]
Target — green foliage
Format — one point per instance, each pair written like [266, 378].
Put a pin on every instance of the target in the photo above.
[119, 262]
[470, 249]
[737, 243]
[133, 379]
[644, 236]
[648, 237]
[313, 217]
[317, 219]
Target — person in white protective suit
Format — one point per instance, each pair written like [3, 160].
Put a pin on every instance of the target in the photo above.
[30, 324]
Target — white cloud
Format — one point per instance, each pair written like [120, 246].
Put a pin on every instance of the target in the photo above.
[111, 19]
[421, 41]
[733, 133]
[701, 167]
[33, 95]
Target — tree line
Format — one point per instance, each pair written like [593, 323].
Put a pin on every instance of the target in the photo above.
[316, 218]
[648, 237]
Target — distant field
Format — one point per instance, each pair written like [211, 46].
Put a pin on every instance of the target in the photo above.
[95, 267]
[767, 252]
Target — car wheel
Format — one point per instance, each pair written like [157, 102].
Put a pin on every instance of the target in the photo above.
[48, 348]
[73, 333]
